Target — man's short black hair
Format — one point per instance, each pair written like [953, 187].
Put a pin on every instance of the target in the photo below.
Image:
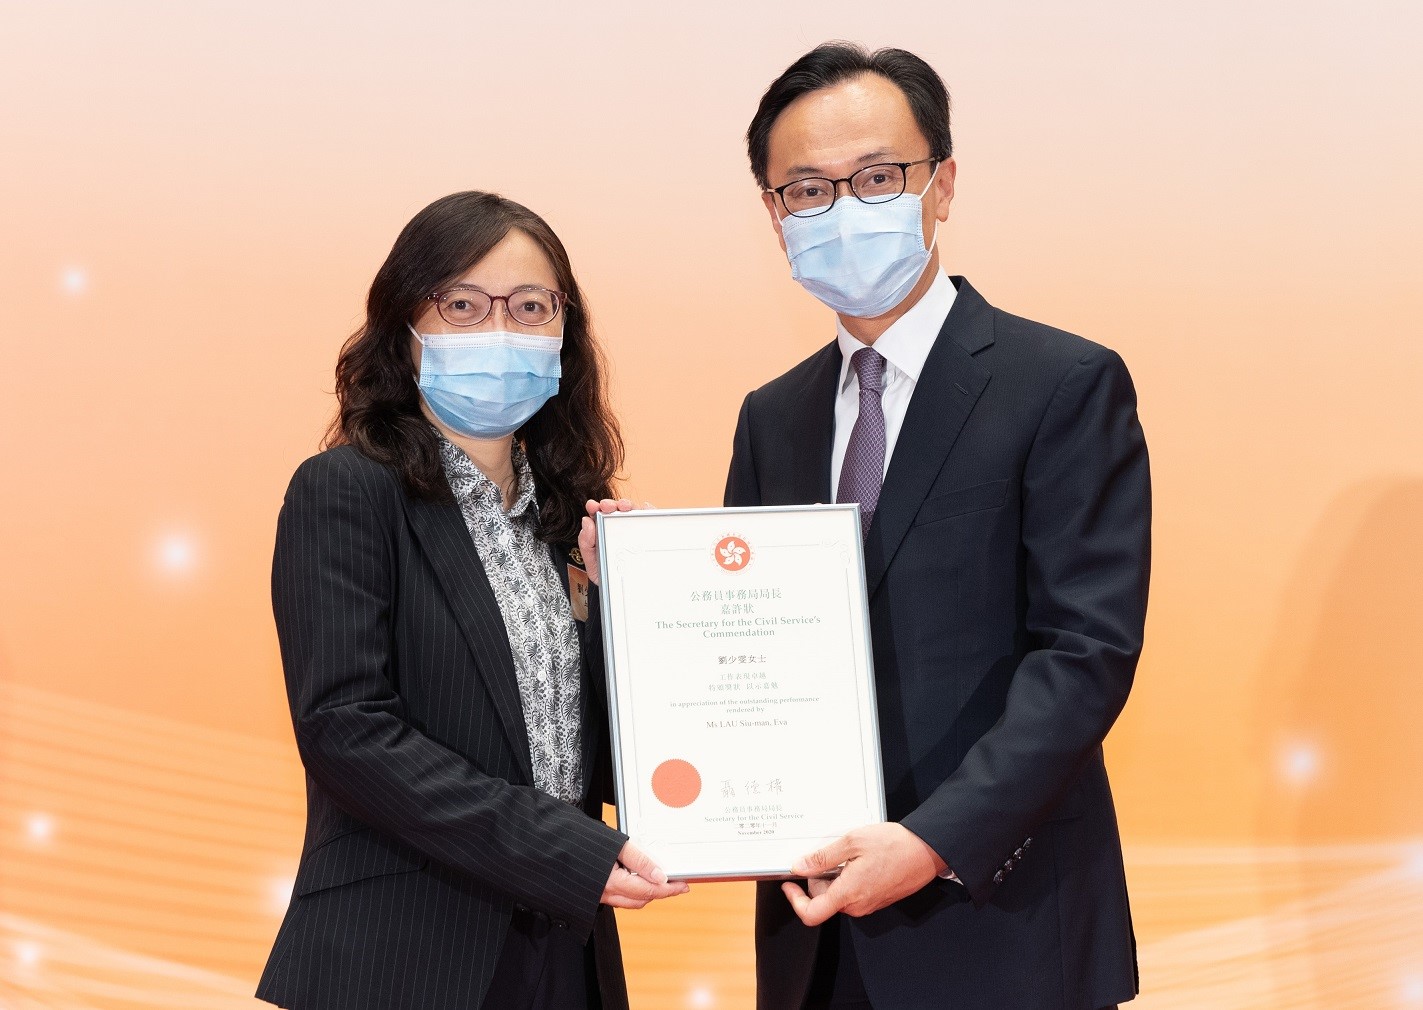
[832, 62]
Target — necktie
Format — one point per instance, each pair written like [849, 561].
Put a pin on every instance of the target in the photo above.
[862, 472]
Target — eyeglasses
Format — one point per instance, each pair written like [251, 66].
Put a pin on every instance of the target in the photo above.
[465, 305]
[873, 184]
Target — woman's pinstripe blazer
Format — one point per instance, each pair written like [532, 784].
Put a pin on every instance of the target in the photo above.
[424, 830]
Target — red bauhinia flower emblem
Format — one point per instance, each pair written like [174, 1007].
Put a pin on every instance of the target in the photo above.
[732, 553]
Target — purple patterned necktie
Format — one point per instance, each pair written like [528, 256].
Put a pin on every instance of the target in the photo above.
[862, 472]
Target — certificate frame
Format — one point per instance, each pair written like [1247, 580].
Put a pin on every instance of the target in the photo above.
[686, 549]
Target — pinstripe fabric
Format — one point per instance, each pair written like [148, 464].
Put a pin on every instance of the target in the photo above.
[423, 827]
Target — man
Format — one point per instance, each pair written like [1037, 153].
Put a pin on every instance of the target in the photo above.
[1004, 487]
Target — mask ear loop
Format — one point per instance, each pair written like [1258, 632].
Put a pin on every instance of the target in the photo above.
[935, 240]
[932, 176]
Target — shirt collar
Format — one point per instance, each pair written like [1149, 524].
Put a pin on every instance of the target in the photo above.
[484, 492]
[910, 338]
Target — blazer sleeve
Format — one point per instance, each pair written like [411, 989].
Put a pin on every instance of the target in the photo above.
[333, 580]
[1086, 534]
[592, 640]
[742, 487]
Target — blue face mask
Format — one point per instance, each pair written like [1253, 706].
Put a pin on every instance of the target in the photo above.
[860, 259]
[486, 385]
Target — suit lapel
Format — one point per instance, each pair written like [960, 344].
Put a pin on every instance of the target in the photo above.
[562, 558]
[446, 541]
[945, 395]
[810, 426]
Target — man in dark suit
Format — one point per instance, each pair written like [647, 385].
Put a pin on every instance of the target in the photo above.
[1004, 487]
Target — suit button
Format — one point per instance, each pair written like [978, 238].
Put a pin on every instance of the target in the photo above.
[998, 877]
[560, 923]
[1018, 854]
[1010, 865]
[1027, 843]
[521, 908]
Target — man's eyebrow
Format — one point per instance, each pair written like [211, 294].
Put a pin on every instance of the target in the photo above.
[801, 171]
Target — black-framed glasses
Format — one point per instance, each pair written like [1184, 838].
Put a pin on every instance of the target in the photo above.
[466, 305]
[872, 184]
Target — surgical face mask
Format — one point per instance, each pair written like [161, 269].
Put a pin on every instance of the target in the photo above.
[861, 259]
[486, 385]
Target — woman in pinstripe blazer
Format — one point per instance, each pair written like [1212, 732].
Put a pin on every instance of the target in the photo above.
[443, 664]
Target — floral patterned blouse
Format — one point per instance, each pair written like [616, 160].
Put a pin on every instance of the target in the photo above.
[537, 616]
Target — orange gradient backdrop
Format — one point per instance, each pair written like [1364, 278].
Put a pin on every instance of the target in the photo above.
[195, 197]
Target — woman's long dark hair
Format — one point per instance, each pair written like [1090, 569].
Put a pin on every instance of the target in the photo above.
[573, 443]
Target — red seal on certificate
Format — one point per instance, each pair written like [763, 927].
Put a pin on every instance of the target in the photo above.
[676, 782]
[731, 553]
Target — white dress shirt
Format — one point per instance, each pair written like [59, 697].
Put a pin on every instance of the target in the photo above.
[905, 346]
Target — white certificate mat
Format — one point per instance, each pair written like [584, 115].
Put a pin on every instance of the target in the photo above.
[740, 684]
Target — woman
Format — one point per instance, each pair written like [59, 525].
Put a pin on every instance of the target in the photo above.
[445, 687]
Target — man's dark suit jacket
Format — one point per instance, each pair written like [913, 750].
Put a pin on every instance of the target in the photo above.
[424, 830]
[1007, 573]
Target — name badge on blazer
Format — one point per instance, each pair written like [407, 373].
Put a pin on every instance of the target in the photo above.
[577, 585]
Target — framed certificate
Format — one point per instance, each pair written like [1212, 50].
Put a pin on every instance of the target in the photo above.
[740, 684]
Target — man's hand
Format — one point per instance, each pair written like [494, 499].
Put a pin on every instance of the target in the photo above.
[882, 864]
[636, 880]
[588, 535]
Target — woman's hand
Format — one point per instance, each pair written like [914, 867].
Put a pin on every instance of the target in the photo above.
[588, 536]
[636, 879]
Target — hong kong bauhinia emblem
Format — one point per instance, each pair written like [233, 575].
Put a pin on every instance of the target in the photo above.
[732, 553]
